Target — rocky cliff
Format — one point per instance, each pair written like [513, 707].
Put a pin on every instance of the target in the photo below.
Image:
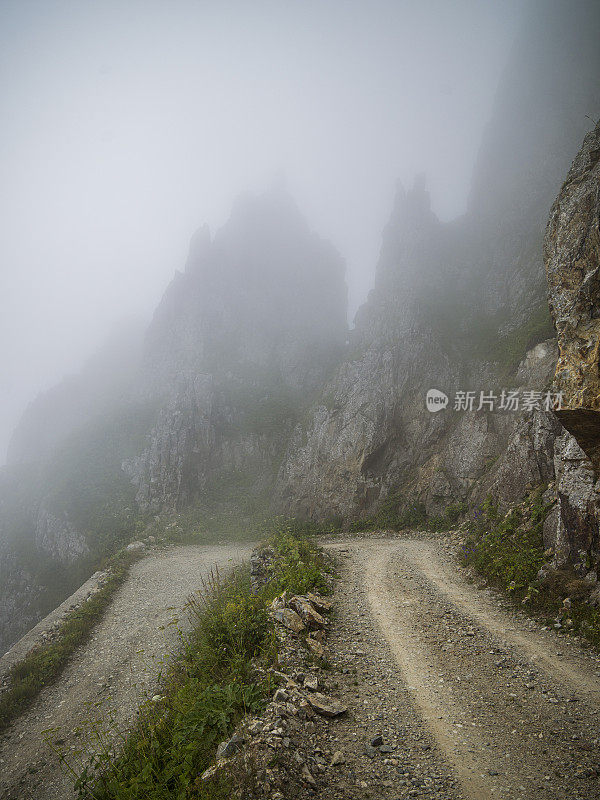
[240, 344]
[456, 307]
[572, 255]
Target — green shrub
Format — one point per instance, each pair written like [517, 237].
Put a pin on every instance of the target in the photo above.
[448, 519]
[298, 563]
[509, 553]
[229, 628]
[396, 513]
[586, 620]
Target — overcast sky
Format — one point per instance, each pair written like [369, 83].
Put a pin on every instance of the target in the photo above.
[126, 125]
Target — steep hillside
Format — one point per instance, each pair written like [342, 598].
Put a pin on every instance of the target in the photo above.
[107, 381]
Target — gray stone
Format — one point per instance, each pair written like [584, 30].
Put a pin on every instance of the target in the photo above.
[324, 705]
[307, 776]
[311, 682]
[289, 619]
[308, 614]
[230, 747]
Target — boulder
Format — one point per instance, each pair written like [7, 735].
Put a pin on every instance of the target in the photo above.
[230, 747]
[316, 646]
[322, 604]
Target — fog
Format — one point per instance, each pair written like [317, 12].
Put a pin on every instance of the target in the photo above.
[126, 125]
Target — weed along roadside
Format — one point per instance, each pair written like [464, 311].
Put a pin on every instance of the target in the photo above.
[46, 660]
[508, 551]
[193, 738]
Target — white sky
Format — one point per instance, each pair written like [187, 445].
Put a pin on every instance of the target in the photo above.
[126, 125]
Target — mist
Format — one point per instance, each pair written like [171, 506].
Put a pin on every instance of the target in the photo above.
[126, 126]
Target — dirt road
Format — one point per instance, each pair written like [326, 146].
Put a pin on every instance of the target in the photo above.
[512, 710]
[473, 701]
[116, 668]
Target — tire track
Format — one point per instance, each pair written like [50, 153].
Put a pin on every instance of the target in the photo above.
[496, 695]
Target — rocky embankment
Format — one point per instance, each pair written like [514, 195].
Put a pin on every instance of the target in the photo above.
[329, 729]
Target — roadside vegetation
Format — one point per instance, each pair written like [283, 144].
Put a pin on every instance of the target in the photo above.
[218, 676]
[396, 513]
[44, 663]
[509, 552]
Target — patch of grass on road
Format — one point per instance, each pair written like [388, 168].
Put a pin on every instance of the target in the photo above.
[44, 663]
[207, 689]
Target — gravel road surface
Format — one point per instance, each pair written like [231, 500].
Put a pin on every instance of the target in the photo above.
[116, 668]
[488, 703]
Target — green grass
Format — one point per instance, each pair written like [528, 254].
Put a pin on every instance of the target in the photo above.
[205, 691]
[448, 519]
[298, 566]
[397, 513]
[45, 663]
[509, 552]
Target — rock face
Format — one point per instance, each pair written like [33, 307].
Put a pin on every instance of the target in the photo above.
[456, 307]
[243, 339]
[56, 536]
[181, 450]
[572, 255]
[38, 544]
[362, 432]
[19, 593]
[265, 299]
